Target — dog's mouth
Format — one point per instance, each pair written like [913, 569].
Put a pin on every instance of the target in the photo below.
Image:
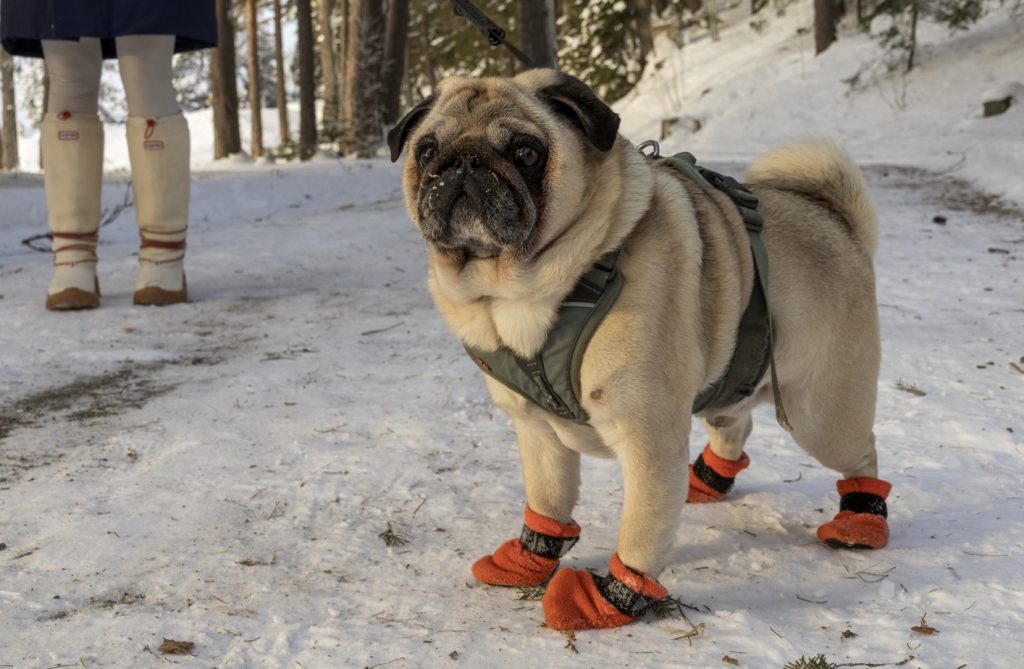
[466, 235]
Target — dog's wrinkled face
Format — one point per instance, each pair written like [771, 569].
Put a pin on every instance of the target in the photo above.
[486, 155]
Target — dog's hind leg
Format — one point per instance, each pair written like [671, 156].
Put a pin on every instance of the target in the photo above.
[833, 413]
[714, 471]
[552, 476]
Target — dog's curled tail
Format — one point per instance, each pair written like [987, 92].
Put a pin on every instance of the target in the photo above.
[821, 169]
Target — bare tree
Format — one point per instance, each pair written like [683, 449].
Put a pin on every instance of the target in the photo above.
[394, 56]
[307, 92]
[537, 19]
[226, 136]
[255, 101]
[826, 14]
[9, 140]
[282, 99]
[328, 67]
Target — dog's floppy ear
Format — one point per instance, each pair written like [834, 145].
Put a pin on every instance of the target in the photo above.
[576, 101]
[401, 131]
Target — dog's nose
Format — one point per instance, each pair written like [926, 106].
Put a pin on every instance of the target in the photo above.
[467, 161]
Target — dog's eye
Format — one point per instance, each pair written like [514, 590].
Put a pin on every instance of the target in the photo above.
[426, 152]
[527, 156]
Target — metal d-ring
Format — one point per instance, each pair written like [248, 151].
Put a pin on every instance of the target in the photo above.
[649, 144]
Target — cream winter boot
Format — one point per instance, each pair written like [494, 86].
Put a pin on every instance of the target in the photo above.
[72, 149]
[159, 153]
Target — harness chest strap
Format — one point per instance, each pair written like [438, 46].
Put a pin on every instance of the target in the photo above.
[551, 378]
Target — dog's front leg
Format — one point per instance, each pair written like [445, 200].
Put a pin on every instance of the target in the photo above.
[552, 476]
[652, 452]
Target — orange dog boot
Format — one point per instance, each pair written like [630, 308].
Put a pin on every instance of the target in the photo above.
[712, 476]
[578, 600]
[533, 557]
[861, 521]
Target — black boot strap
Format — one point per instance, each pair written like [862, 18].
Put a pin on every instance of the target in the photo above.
[624, 598]
[863, 502]
[545, 545]
[709, 476]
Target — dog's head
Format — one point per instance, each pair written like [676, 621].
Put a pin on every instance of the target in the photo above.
[497, 166]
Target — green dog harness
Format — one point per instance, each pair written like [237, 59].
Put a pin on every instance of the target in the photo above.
[551, 378]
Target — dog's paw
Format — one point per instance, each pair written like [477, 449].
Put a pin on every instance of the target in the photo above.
[513, 565]
[861, 521]
[578, 600]
[700, 492]
[533, 557]
[712, 477]
[855, 530]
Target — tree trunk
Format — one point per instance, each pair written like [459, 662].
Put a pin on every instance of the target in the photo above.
[913, 36]
[711, 13]
[369, 89]
[227, 138]
[825, 17]
[45, 107]
[537, 21]
[328, 68]
[394, 56]
[9, 142]
[282, 97]
[255, 101]
[429, 65]
[307, 87]
[343, 81]
[644, 32]
[365, 100]
[346, 140]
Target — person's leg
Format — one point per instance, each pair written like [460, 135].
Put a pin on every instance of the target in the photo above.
[147, 74]
[158, 148]
[72, 155]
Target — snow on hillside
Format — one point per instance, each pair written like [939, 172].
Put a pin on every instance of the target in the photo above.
[220, 472]
[752, 92]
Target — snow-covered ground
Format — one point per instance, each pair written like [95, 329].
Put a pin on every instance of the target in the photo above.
[220, 472]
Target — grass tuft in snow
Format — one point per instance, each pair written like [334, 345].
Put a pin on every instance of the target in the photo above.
[668, 607]
[909, 388]
[392, 538]
[570, 637]
[530, 593]
[816, 662]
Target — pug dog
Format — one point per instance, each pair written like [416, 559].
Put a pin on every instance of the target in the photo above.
[521, 186]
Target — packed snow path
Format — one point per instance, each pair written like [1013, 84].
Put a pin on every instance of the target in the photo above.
[221, 472]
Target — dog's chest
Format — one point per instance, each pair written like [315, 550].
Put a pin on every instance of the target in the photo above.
[523, 326]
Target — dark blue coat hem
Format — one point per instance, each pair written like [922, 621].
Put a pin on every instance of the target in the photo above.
[33, 48]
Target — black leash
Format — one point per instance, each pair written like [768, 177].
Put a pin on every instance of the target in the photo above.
[495, 35]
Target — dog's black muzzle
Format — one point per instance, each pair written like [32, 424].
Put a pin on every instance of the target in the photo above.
[466, 204]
